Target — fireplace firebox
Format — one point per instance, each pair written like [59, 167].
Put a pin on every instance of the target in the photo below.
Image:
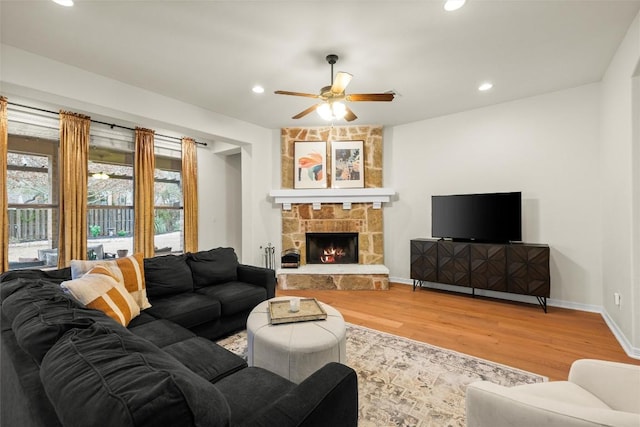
[332, 248]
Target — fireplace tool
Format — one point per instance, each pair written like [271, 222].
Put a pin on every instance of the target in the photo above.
[269, 256]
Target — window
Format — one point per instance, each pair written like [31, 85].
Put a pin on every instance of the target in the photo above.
[32, 190]
[110, 193]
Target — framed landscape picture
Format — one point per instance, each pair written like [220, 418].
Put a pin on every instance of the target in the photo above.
[310, 164]
[347, 159]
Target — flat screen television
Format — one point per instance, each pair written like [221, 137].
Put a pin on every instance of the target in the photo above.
[488, 217]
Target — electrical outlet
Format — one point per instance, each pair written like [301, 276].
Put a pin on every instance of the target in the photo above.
[616, 298]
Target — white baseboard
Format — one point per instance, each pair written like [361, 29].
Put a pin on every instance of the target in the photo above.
[631, 351]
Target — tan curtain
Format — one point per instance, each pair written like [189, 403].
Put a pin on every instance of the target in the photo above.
[4, 202]
[74, 153]
[190, 194]
[143, 171]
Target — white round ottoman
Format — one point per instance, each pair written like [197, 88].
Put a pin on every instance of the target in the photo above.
[295, 350]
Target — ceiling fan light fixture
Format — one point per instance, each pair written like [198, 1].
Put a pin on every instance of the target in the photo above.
[339, 110]
[324, 111]
[333, 108]
[332, 111]
[451, 5]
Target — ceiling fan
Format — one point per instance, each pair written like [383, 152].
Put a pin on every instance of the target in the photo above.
[333, 97]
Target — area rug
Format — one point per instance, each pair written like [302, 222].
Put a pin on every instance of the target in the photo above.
[402, 382]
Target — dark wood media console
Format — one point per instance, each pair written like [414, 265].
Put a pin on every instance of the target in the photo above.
[517, 268]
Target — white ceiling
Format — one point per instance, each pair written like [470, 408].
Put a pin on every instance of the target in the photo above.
[210, 53]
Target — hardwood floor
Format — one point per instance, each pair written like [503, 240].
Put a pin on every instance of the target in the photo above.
[511, 333]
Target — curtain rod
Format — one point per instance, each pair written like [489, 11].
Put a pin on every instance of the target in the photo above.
[111, 125]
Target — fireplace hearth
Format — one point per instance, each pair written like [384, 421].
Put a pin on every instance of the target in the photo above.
[332, 248]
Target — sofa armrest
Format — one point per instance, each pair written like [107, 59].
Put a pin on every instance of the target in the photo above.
[259, 276]
[329, 397]
[489, 404]
[616, 384]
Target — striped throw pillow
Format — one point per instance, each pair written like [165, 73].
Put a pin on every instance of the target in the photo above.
[99, 289]
[129, 271]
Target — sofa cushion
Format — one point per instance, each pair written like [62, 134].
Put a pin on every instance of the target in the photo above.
[57, 276]
[187, 309]
[96, 377]
[99, 289]
[24, 401]
[162, 332]
[236, 297]
[206, 358]
[167, 275]
[141, 320]
[250, 391]
[49, 256]
[28, 292]
[98, 250]
[212, 267]
[129, 271]
[14, 285]
[38, 327]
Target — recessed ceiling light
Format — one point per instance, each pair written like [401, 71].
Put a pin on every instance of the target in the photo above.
[485, 86]
[451, 5]
[64, 2]
[258, 89]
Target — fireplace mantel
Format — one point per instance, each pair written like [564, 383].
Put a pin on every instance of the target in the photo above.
[346, 196]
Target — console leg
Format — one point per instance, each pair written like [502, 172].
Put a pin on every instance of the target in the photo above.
[417, 283]
[543, 303]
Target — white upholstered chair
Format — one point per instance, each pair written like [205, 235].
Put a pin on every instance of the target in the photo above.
[597, 393]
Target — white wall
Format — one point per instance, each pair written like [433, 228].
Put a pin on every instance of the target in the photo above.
[619, 146]
[233, 201]
[545, 146]
[219, 200]
[261, 218]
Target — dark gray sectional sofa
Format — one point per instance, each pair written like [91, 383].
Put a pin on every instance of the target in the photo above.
[66, 365]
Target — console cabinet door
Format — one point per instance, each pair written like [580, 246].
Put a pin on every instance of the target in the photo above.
[528, 270]
[488, 267]
[453, 263]
[424, 260]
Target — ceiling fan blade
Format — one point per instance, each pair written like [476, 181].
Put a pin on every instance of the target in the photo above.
[355, 97]
[340, 82]
[286, 92]
[305, 112]
[350, 116]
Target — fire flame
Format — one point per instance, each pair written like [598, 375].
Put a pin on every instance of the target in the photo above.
[331, 255]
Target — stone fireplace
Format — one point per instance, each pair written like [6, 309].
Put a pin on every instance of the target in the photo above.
[361, 219]
[356, 213]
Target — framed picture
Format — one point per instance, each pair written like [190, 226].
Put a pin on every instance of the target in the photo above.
[310, 164]
[347, 164]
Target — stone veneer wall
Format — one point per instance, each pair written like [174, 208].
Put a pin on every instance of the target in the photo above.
[361, 218]
[371, 135]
